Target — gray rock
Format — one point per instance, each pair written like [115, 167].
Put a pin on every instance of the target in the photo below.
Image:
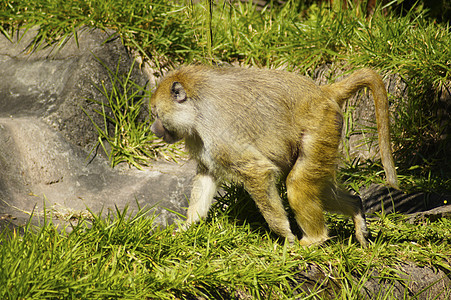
[432, 214]
[44, 135]
[409, 280]
[40, 168]
[53, 83]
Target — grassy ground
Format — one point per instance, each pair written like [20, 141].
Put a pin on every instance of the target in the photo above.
[222, 258]
[231, 253]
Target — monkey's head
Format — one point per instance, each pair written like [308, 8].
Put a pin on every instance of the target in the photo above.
[173, 109]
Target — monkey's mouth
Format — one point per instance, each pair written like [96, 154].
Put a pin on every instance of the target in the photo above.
[170, 137]
[162, 132]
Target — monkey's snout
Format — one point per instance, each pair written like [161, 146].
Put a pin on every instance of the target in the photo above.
[157, 128]
[161, 132]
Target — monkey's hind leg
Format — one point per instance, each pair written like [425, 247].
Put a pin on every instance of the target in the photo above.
[303, 197]
[342, 201]
[307, 180]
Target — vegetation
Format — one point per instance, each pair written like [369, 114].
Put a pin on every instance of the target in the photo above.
[131, 141]
[127, 256]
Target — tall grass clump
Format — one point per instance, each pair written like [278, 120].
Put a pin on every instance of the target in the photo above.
[124, 133]
[159, 29]
[125, 256]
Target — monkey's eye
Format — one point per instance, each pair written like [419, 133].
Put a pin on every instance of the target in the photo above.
[178, 92]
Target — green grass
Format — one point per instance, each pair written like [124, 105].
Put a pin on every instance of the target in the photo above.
[140, 24]
[123, 106]
[126, 256]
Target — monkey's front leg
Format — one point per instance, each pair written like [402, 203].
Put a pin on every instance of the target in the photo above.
[202, 193]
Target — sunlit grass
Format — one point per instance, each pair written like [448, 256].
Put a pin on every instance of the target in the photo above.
[123, 107]
[125, 255]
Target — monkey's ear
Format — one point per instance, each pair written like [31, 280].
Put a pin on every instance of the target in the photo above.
[178, 92]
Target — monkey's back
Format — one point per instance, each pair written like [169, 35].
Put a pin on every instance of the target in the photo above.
[263, 110]
[272, 98]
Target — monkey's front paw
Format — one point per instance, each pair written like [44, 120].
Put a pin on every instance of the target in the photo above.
[180, 228]
[183, 227]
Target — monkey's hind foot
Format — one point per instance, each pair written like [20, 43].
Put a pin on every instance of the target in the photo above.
[361, 231]
[313, 241]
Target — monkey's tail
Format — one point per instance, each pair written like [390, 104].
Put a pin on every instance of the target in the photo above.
[342, 90]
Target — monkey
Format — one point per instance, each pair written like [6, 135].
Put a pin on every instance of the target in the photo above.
[257, 127]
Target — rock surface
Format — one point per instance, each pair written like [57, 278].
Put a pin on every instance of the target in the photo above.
[38, 164]
[55, 83]
[44, 134]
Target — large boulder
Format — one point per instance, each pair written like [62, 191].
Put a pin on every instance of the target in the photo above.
[55, 82]
[45, 136]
